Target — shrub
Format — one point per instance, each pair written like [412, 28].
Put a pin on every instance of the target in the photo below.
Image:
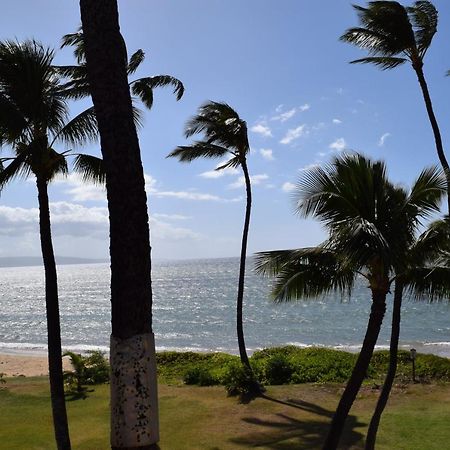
[278, 370]
[87, 370]
[238, 380]
[200, 376]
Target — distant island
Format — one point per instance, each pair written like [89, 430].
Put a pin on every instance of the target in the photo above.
[25, 261]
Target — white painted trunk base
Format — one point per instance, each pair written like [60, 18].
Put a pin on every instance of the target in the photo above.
[134, 396]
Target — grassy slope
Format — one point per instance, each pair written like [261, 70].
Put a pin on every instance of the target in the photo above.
[204, 418]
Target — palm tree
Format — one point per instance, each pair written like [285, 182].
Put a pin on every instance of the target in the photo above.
[78, 83]
[33, 119]
[225, 135]
[134, 406]
[425, 273]
[394, 34]
[368, 232]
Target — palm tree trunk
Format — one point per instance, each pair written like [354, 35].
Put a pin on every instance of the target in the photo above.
[53, 322]
[134, 403]
[241, 281]
[434, 125]
[255, 387]
[393, 356]
[377, 312]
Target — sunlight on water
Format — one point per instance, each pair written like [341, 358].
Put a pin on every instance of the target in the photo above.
[194, 308]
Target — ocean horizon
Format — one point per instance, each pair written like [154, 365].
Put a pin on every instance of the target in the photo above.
[194, 310]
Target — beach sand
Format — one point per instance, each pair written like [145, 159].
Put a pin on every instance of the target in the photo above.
[27, 365]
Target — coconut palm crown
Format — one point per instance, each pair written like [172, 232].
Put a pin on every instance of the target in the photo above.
[225, 136]
[394, 34]
[142, 88]
[371, 225]
[34, 119]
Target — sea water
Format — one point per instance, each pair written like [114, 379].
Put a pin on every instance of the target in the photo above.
[194, 309]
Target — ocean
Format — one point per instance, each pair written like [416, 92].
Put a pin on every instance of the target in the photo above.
[194, 309]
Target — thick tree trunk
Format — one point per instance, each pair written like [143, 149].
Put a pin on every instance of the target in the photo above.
[434, 125]
[393, 356]
[134, 408]
[53, 322]
[377, 312]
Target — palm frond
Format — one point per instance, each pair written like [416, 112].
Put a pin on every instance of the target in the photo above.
[305, 273]
[135, 61]
[427, 192]
[384, 62]
[432, 284]
[424, 17]
[90, 168]
[81, 129]
[385, 31]
[143, 87]
[17, 168]
[12, 122]
[75, 40]
[187, 153]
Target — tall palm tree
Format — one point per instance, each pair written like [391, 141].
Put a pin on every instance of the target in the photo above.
[134, 405]
[78, 84]
[225, 136]
[368, 231]
[425, 273]
[33, 119]
[394, 34]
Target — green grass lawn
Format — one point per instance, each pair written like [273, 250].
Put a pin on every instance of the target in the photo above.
[291, 417]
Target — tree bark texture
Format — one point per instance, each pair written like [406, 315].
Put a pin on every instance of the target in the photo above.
[131, 295]
[390, 376]
[377, 312]
[435, 127]
[53, 322]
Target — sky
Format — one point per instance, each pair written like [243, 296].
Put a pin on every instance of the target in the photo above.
[281, 66]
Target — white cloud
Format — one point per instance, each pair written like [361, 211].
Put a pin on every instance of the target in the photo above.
[337, 121]
[288, 187]
[255, 180]
[383, 139]
[267, 154]
[304, 107]
[261, 129]
[165, 231]
[308, 167]
[338, 145]
[294, 133]
[170, 216]
[282, 117]
[220, 173]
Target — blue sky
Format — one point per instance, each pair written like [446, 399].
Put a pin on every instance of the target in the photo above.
[282, 67]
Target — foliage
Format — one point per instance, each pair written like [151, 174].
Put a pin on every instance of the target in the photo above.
[240, 381]
[292, 365]
[93, 368]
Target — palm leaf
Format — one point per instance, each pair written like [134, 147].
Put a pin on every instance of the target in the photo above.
[75, 40]
[384, 62]
[143, 87]
[90, 168]
[424, 17]
[198, 150]
[17, 168]
[135, 61]
[305, 273]
[81, 129]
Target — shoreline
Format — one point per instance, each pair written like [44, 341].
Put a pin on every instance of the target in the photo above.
[31, 362]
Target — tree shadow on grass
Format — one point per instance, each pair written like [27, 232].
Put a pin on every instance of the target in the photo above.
[284, 432]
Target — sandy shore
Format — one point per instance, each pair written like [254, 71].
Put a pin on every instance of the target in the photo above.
[26, 365]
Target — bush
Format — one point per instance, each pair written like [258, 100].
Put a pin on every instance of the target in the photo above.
[200, 376]
[87, 370]
[278, 370]
[238, 380]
